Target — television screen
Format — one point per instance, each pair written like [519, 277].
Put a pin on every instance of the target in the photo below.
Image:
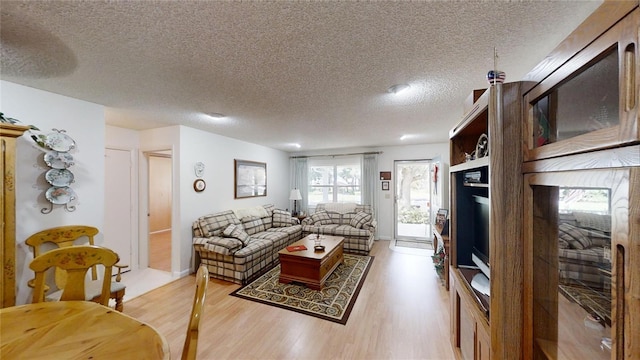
[481, 214]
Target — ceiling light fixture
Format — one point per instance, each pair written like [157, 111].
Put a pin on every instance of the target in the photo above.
[398, 88]
[216, 115]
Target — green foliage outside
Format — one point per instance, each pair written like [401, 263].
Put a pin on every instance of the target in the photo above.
[413, 216]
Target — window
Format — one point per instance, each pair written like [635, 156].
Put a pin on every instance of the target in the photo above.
[335, 180]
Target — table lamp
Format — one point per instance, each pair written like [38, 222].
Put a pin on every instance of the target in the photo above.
[295, 196]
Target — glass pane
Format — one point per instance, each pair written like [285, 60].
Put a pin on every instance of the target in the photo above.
[320, 194]
[349, 194]
[321, 175]
[570, 111]
[572, 277]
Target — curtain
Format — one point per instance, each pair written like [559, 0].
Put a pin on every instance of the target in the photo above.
[370, 182]
[298, 180]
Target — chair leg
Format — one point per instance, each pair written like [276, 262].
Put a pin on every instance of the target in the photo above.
[118, 296]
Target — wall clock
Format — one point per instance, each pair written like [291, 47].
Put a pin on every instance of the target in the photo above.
[199, 185]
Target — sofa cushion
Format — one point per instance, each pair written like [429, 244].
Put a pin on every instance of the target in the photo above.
[252, 225]
[360, 219]
[236, 231]
[321, 218]
[214, 224]
[256, 211]
[281, 218]
[593, 221]
[574, 236]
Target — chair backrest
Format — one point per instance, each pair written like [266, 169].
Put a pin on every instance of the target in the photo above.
[62, 236]
[75, 261]
[190, 348]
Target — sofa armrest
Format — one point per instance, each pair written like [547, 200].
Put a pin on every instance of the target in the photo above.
[307, 221]
[371, 226]
[222, 245]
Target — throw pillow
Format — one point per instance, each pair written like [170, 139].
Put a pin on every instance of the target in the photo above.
[574, 236]
[236, 231]
[253, 225]
[281, 218]
[360, 219]
[321, 218]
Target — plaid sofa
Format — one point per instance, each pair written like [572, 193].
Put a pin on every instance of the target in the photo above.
[242, 252]
[356, 224]
[583, 241]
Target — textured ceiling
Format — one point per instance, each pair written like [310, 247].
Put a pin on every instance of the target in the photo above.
[312, 73]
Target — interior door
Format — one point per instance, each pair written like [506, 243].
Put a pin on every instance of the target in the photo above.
[413, 200]
[118, 204]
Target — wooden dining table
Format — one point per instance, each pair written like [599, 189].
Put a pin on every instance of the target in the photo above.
[76, 330]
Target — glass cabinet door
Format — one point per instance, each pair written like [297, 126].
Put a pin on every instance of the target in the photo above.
[590, 102]
[578, 238]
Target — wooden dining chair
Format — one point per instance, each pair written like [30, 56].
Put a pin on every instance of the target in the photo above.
[190, 348]
[65, 236]
[75, 261]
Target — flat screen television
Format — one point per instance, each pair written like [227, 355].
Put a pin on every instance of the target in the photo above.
[480, 252]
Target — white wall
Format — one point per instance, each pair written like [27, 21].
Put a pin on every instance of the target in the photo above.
[189, 146]
[85, 123]
[386, 163]
[218, 154]
[386, 160]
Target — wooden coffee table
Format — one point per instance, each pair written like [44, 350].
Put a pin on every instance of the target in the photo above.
[309, 267]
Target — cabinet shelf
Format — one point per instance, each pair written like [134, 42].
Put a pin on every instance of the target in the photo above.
[469, 165]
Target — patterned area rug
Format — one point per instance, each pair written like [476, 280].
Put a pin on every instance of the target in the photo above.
[334, 302]
[596, 303]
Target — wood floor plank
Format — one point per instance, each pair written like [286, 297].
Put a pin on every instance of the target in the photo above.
[401, 313]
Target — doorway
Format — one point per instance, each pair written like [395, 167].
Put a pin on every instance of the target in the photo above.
[160, 204]
[413, 204]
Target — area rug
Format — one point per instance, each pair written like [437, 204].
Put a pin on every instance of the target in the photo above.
[334, 302]
[594, 302]
[415, 244]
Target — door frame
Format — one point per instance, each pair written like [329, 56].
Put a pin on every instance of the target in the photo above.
[143, 214]
[428, 163]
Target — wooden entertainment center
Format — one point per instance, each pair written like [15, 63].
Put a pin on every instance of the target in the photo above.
[563, 146]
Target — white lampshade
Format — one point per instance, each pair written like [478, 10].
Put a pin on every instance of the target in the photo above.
[295, 195]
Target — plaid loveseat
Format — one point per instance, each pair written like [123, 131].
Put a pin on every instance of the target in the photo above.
[239, 249]
[355, 223]
[583, 241]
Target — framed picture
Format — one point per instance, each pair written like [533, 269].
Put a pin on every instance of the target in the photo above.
[250, 179]
[385, 185]
[385, 175]
[441, 217]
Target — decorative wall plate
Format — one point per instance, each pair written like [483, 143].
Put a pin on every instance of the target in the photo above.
[58, 160]
[59, 141]
[59, 177]
[60, 195]
[482, 147]
[199, 169]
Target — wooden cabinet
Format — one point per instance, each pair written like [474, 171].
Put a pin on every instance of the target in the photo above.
[494, 179]
[470, 336]
[8, 135]
[563, 181]
[581, 193]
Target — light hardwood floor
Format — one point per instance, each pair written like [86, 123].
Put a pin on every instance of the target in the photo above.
[160, 250]
[402, 312]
